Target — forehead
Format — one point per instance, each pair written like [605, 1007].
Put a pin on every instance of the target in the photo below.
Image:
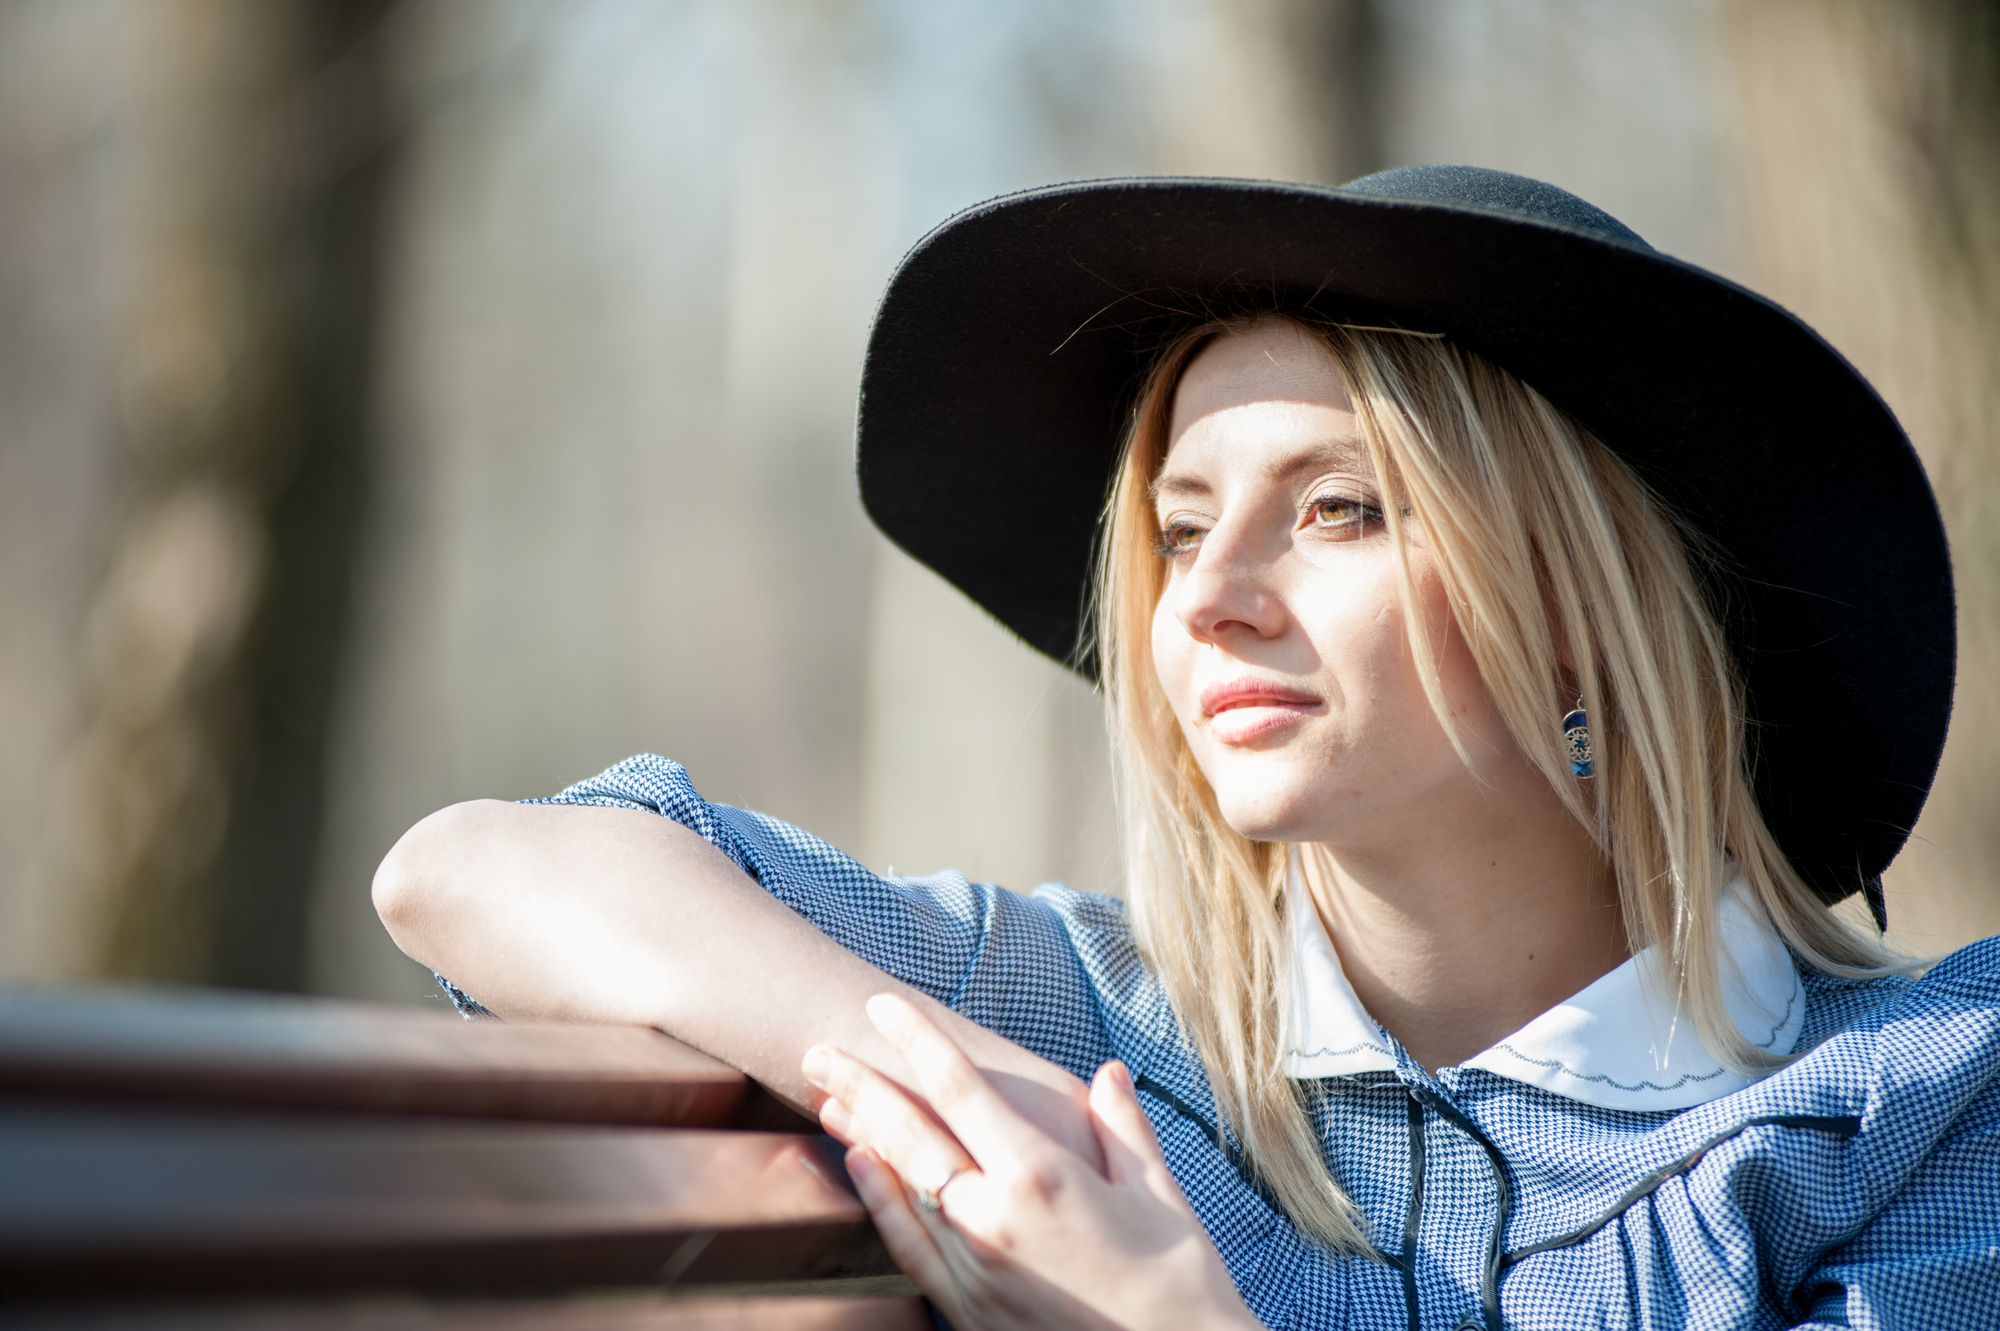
[1269, 396]
[1273, 359]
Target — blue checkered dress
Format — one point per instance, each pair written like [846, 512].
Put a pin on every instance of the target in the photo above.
[1858, 1187]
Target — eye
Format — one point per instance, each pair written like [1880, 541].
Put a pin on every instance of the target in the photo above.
[1178, 539]
[1341, 516]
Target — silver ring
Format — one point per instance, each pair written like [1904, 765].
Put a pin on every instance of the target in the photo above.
[928, 1200]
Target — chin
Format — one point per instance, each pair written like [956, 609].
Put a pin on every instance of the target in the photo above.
[1280, 814]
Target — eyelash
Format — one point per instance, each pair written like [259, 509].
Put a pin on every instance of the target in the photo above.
[1163, 544]
[1368, 512]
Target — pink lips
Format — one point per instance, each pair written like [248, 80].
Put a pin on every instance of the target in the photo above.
[1241, 710]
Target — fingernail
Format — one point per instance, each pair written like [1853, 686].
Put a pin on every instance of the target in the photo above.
[833, 1116]
[817, 1063]
[870, 1177]
[1120, 1075]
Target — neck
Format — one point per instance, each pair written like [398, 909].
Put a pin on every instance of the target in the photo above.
[1461, 932]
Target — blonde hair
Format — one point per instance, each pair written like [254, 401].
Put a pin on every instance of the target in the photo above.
[1566, 577]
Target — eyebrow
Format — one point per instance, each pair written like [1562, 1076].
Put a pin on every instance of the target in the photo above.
[1310, 459]
[1173, 484]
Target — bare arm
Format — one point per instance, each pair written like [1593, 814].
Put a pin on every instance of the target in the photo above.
[612, 916]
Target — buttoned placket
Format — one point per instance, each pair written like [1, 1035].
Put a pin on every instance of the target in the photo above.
[1429, 1097]
[1329, 1030]
[1436, 1095]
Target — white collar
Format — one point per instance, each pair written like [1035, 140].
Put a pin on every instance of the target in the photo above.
[1618, 1044]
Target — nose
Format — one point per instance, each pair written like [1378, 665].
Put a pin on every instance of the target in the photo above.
[1229, 590]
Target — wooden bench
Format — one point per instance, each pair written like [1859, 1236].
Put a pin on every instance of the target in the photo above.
[182, 1158]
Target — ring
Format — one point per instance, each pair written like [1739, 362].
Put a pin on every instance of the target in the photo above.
[928, 1200]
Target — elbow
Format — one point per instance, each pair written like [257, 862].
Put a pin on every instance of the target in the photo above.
[421, 876]
[395, 888]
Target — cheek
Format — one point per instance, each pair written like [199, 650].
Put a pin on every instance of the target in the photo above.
[1361, 638]
[1471, 703]
[1173, 659]
[1457, 671]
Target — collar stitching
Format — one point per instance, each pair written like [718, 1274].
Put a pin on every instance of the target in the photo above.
[1565, 1069]
[1791, 1002]
[1369, 1046]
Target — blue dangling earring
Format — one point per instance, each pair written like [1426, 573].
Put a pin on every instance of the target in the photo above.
[1576, 742]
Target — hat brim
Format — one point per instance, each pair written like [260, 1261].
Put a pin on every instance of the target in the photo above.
[1009, 341]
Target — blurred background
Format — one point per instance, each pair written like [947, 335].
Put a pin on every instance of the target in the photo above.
[402, 402]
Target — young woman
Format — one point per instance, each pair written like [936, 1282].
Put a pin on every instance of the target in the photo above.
[1516, 642]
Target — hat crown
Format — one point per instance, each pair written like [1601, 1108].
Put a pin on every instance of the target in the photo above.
[1496, 191]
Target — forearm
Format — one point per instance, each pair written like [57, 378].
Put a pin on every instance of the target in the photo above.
[611, 916]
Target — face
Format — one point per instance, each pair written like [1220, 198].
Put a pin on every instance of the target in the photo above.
[1281, 640]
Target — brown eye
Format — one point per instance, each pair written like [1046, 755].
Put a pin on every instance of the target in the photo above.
[1343, 517]
[1179, 540]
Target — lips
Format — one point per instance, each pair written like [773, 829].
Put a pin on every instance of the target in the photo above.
[1241, 710]
[1231, 694]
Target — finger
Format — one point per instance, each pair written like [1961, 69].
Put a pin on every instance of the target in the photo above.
[839, 1124]
[903, 1234]
[1128, 1146]
[1131, 1148]
[928, 1249]
[865, 1108]
[958, 1092]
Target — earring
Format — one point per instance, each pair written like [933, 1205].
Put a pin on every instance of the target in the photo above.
[1576, 742]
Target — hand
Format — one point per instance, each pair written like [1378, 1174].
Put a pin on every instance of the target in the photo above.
[1017, 1231]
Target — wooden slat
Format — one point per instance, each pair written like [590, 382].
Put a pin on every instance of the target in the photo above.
[96, 1199]
[580, 1314]
[208, 1046]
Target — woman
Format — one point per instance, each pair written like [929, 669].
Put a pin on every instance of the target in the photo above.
[1516, 641]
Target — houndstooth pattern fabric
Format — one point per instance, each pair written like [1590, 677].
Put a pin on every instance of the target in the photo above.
[1857, 1187]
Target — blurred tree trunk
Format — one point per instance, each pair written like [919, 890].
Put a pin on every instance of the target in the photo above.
[188, 810]
[1871, 181]
[1335, 50]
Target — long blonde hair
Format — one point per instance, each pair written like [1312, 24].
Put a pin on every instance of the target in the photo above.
[1566, 578]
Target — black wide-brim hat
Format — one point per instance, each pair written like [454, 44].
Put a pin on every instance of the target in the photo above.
[1004, 357]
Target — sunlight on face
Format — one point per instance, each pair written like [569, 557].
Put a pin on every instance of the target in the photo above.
[1281, 640]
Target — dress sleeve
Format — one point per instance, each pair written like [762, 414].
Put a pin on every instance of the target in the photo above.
[1930, 1256]
[1006, 961]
